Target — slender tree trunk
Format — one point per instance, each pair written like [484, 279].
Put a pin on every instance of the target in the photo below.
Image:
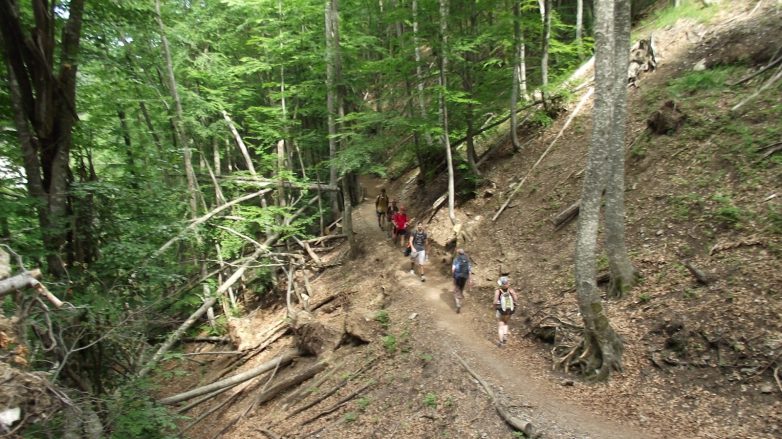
[470, 60]
[519, 86]
[192, 185]
[421, 150]
[444, 106]
[602, 346]
[545, 45]
[623, 274]
[579, 25]
[332, 62]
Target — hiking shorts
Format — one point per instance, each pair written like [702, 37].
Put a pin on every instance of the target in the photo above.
[460, 282]
[381, 213]
[418, 256]
[504, 315]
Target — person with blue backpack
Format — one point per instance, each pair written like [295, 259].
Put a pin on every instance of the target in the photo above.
[461, 270]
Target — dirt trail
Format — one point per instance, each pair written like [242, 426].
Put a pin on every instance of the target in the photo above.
[465, 334]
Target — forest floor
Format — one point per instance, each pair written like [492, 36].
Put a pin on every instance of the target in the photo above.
[699, 359]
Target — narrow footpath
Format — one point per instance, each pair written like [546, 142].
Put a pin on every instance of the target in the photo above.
[534, 395]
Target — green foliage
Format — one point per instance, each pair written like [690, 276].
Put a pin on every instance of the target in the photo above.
[383, 318]
[689, 9]
[726, 211]
[644, 298]
[708, 80]
[135, 415]
[430, 400]
[362, 403]
[389, 343]
[351, 416]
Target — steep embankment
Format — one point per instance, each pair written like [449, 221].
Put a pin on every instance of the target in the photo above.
[698, 358]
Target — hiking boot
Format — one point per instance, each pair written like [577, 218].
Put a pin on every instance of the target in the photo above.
[458, 310]
[423, 279]
[499, 344]
[412, 272]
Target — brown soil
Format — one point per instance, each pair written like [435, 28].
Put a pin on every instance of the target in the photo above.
[698, 359]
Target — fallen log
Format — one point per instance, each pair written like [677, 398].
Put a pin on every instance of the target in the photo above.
[283, 359]
[207, 339]
[26, 280]
[290, 382]
[308, 249]
[521, 425]
[566, 216]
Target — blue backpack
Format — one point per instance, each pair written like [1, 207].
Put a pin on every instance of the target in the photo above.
[462, 267]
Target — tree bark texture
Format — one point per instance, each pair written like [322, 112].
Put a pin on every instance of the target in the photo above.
[332, 73]
[44, 105]
[444, 105]
[623, 275]
[602, 345]
[545, 44]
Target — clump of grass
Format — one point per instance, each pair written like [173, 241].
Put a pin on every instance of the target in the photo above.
[430, 400]
[390, 343]
[383, 318]
[691, 9]
[705, 80]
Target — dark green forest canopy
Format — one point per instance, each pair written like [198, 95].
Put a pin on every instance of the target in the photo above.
[97, 132]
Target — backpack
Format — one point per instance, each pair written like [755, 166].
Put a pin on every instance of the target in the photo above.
[506, 301]
[461, 267]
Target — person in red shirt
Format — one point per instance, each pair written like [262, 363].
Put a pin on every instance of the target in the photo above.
[400, 221]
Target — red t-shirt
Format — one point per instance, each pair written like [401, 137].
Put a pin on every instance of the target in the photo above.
[400, 220]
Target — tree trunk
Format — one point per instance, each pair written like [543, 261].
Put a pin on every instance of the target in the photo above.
[444, 106]
[470, 59]
[579, 24]
[519, 85]
[423, 151]
[184, 141]
[332, 66]
[44, 103]
[602, 346]
[623, 275]
[545, 45]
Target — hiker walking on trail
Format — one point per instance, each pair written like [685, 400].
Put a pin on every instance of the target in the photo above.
[400, 226]
[393, 209]
[419, 243]
[461, 270]
[505, 301]
[381, 207]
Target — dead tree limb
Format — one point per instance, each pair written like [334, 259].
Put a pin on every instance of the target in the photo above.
[308, 249]
[699, 275]
[753, 75]
[267, 432]
[29, 279]
[284, 385]
[334, 389]
[771, 81]
[566, 216]
[172, 339]
[339, 404]
[777, 378]
[206, 339]
[283, 359]
[521, 425]
[322, 239]
[205, 218]
[572, 116]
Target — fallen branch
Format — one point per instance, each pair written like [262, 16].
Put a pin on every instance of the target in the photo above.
[566, 216]
[308, 249]
[290, 382]
[769, 151]
[523, 426]
[25, 280]
[283, 359]
[699, 275]
[763, 69]
[777, 76]
[206, 339]
[322, 239]
[190, 354]
[205, 218]
[268, 433]
[572, 116]
[777, 378]
[339, 404]
[334, 389]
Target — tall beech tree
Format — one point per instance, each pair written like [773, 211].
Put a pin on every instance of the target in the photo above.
[602, 346]
[43, 95]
